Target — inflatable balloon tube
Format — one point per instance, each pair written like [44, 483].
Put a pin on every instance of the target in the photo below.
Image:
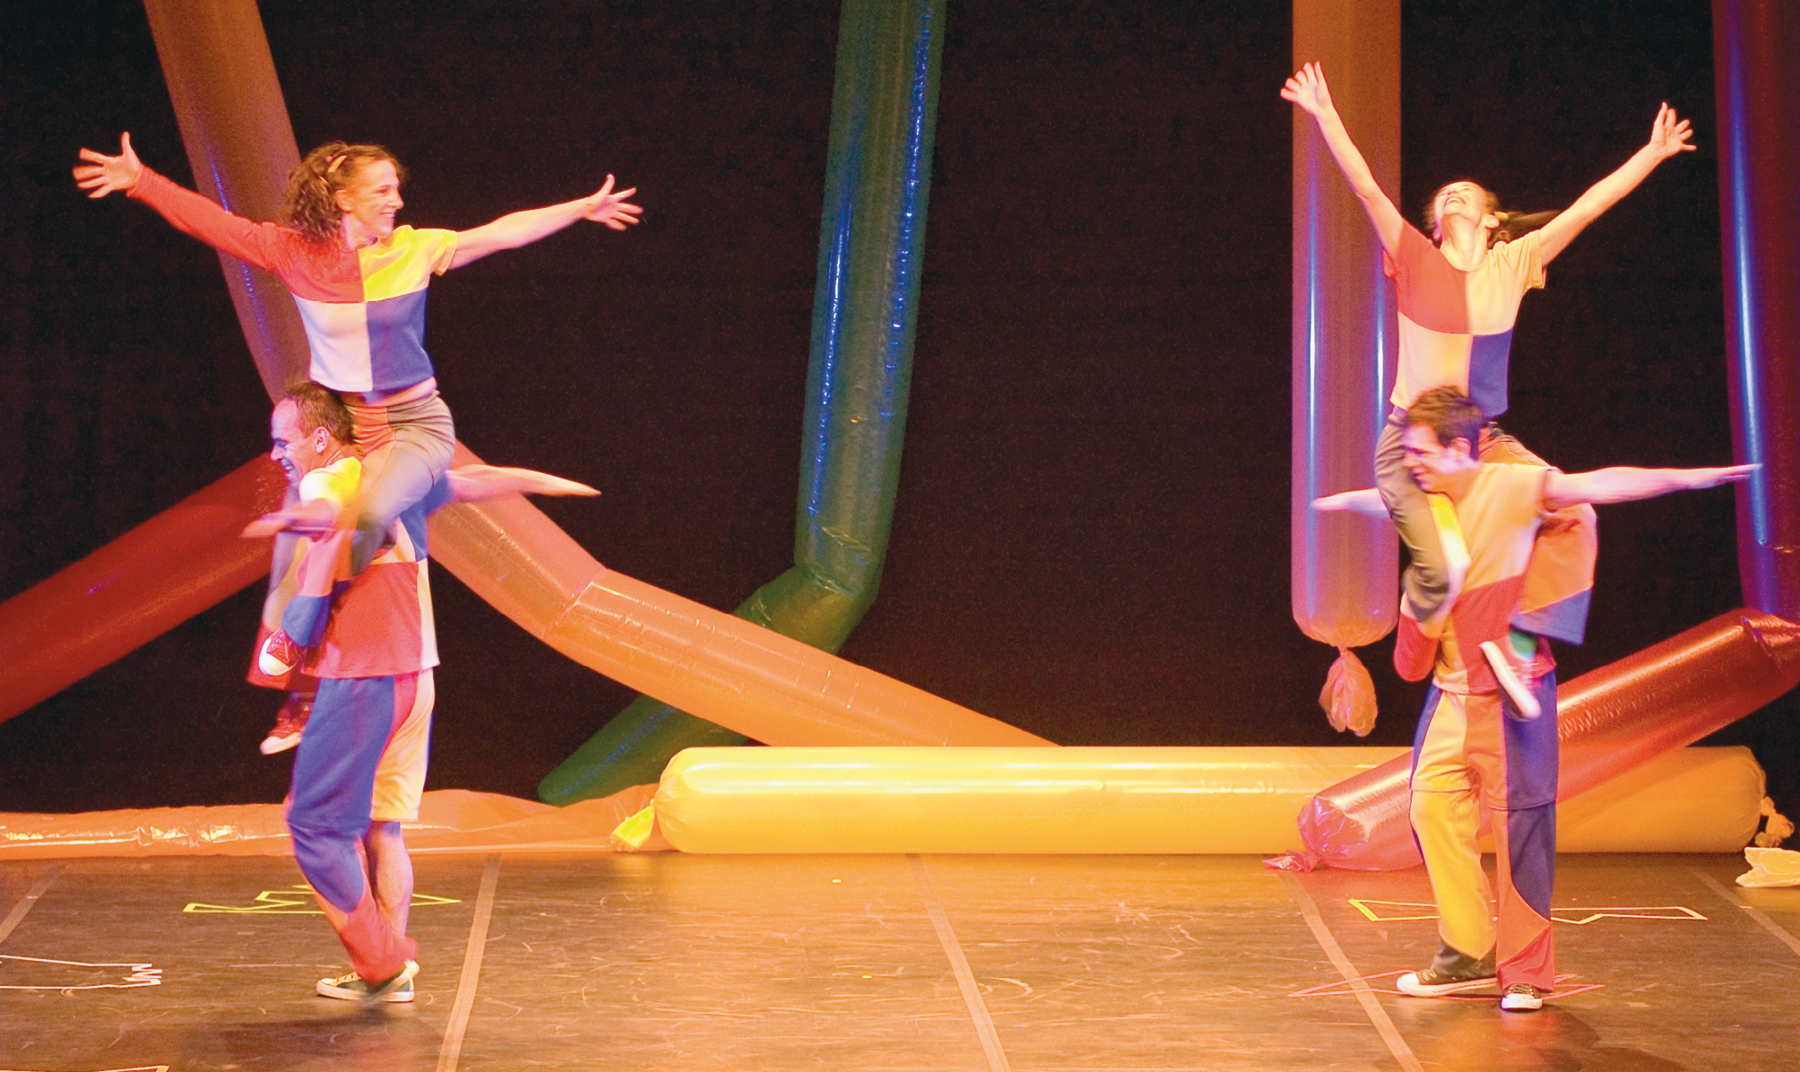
[1156, 801]
[1342, 567]
[1609, 721]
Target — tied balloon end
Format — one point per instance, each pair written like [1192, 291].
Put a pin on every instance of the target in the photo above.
[1349, 695]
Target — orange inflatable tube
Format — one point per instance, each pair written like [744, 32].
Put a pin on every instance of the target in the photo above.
[703, 661]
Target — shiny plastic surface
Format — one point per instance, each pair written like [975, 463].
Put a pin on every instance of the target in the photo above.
[450, 820]
[1609, 721]
[234, 122]
[994, 800]
[744, 677]
[1343, 566]
[139, 586]
[871, 247]
[1126, 800]
[1756, 49]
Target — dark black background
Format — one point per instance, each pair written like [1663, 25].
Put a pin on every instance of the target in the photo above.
[1091, 534]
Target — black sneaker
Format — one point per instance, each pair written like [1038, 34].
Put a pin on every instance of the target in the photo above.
[1522, 997]
[1432, 983]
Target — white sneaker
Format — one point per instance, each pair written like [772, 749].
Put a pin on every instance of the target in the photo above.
[1525, 704]
[350, 987]
[1522, 997]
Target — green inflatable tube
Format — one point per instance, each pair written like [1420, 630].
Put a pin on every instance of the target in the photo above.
[871, 246]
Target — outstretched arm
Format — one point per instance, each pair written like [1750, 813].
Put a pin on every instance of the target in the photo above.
[189, 212]
[1668, 136]
[1308, 90]
[523, 228]
[1366, 501]
[479, 483]
[1625, 484]
[315, 517]
[109, 174]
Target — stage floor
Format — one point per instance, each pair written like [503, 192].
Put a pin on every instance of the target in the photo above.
[674, 962]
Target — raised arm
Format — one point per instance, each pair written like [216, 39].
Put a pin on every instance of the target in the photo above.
[523, 228]
[479, 483]
[1625, 484]
[1668, 136]
[1308, 90]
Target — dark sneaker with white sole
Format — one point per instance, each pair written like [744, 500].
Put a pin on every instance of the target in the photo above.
[1522, 997]
[1451, 972]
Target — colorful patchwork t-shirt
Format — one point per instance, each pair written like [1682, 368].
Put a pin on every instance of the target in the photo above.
[1497, 521]
[378, 623]
[1456, 327]
[364, 309]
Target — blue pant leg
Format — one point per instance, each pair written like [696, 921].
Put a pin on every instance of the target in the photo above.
[334, 783]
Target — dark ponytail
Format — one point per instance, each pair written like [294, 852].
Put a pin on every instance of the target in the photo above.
[1513, 225]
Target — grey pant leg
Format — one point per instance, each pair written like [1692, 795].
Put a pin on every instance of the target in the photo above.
[414, 453]
[1426, 583]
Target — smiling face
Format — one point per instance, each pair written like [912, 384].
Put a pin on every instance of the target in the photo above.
[297, 450]
[369, 202]
[1437, 468]
[1464, 201]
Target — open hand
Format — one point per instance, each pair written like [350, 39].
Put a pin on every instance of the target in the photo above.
[1307, 89]
[108, 174]
[611, 208]
[1667, 136]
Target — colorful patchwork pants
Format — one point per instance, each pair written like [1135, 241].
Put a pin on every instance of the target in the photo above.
[354, 721]
[1471, 758]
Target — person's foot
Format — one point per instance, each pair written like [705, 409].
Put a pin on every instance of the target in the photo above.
[1525, 705]
[279, 654]
[1522, 997]
[351, 987]
[290, 721]
[1432, 983]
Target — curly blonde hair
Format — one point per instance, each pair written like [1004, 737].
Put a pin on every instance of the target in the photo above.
[311, 204]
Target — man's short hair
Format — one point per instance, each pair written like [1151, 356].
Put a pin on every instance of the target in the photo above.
[1450, 414]
[319, 406]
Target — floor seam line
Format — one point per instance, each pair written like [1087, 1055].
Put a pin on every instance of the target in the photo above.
[1384, 1025]
[1761, 918]
[451, 1052]
[965, 978]
[30, 900]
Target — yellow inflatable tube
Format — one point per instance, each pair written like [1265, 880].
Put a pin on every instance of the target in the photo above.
[1127, 800]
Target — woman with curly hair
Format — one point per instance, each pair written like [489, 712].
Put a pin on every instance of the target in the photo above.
[359, 281]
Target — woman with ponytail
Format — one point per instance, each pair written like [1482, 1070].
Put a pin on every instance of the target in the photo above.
[359, 282]
[1459, 294]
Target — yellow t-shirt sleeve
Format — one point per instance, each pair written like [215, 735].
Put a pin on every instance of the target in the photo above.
[335, 483]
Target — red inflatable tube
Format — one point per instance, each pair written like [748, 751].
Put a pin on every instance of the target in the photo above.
[1665, 697]
[173, 566]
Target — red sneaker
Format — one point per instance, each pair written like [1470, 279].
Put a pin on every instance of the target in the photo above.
[279, 654]
[289, 723]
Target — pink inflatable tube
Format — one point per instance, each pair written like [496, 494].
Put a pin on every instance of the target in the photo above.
[1611, 720]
